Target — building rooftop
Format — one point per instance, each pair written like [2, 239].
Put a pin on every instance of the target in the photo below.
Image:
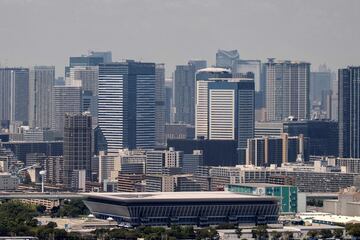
[260, 185]
[214, 69]
[183, 196]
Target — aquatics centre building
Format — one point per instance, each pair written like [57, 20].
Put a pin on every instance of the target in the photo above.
[183, 208]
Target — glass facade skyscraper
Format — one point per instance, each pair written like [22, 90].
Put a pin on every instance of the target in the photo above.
[126, 105]
[349, 112]
[14, 94]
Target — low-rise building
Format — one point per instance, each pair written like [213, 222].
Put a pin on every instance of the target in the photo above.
[286, 194]
[183, 208]
[8, 182]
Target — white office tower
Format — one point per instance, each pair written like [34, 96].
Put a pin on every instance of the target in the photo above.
[287, 90]
[41, 83]
[225, 108]
[222, 114]
[203, 77]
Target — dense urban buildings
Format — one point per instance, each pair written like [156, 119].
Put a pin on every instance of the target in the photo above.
[287, 90]
[349, 112]
[126, 106]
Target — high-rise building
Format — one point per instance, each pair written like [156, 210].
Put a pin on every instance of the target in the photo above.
[41, 83]
[126, 106]
[253, 66]
[225, 107]
[92, 59]
[203, 77]
[54, 167]
[287, 89]
[349, 112]
[14, 94]
[87, 75]
[198, 64]
[77, 147]
[227, 59]
[169, 101]
[160, 104]
[184, 94]
[319, 81]
[88, 78]
[232, 112]
[106, 55]
[65, 99]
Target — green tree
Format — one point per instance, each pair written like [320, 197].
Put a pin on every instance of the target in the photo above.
[40, 209]
[353, 229]
[207, 233]
[313, 233]
[60, 234]
[287, 235]
[260, 232]
[326, 233]
[226, 226]
[238, 232]
[14, 218]
[275, 235]
[73, 208]
[338, 233]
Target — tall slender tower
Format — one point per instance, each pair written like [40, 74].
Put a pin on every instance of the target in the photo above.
[349, 112]
[160, 104]
[41, 85]
[77, 146]
[184, 93]
[14, 94]
[287, 90]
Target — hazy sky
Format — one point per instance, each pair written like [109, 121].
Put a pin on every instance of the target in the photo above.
[47, 32]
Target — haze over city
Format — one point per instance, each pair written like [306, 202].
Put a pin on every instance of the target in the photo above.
[47, 32]
[179, 119]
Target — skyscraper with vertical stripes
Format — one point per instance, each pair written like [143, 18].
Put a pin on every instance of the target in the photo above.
[41, 83]
[14, 94]
[126, 104]
[287, 90]
[349, 112]
[225, 107]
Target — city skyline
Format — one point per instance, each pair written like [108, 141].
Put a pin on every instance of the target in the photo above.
[316, 31]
